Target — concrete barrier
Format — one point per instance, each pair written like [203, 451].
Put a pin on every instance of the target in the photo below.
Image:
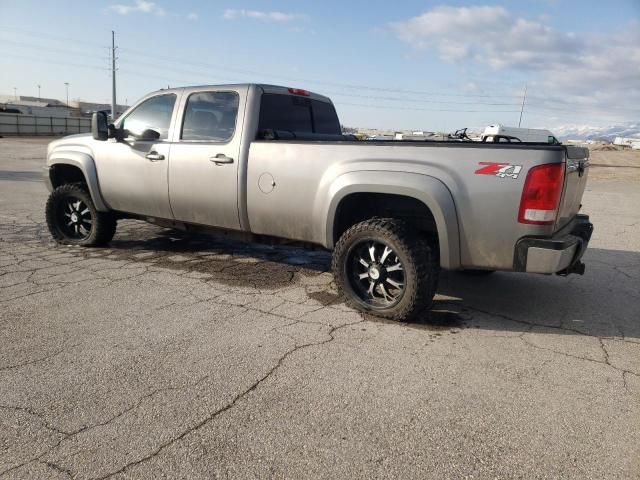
[16, 124]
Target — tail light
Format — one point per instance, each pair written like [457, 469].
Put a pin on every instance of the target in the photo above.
[541, 194]
[299, 91]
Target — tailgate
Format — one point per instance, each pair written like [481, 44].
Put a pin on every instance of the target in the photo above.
[575, 180]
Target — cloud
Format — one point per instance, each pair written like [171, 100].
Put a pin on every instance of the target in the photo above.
[593, 71]
[149, 8]
[141, 6]
[281, 17]
[487, 33]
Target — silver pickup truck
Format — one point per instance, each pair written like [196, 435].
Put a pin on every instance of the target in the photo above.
[267, 161]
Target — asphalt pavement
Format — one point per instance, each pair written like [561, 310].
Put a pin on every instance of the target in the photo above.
[170, 356]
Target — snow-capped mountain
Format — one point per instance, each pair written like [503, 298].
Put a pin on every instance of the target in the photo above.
[588, 132]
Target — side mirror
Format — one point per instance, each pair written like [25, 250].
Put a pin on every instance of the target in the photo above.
[149, 134]
[115, 132]
[99, 126]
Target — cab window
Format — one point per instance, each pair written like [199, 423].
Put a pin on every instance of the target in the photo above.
[297, 114]
[210, 116]
[152, 114]
[285, 112]
[325, 118]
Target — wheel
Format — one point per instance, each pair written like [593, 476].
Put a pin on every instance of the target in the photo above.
[385, 268]
[72, 218]
[477, 273]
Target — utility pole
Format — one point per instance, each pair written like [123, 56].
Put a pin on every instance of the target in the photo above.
[15, 93]
[39, 99]
[524, 97]
[66, 85]
[113, 75]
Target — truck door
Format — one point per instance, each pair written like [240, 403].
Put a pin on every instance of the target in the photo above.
[203, 170]
[133, 171]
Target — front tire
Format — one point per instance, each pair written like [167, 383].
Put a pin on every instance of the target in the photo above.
[384, 268]
[72, 218]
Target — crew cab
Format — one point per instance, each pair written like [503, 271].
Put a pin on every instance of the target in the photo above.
[269, 161]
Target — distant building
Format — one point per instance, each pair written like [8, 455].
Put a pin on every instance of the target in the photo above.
[51, 107]
[577, 142]
[88, 108]
[52, 102]
[43, 107]
[633, 143]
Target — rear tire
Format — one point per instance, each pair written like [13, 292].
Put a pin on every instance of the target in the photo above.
[384, 268]
[72, 218]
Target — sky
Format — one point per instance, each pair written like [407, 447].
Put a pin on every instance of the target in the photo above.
[422, 65]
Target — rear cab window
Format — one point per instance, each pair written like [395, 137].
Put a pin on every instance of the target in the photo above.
[298, 114]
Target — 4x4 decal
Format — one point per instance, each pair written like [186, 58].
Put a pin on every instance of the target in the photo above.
[501, 170]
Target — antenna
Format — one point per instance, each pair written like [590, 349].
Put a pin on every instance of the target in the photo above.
[524, 97]
[113, 75]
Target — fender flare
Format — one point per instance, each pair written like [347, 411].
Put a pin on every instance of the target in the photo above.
[86, 165]
[432, 192]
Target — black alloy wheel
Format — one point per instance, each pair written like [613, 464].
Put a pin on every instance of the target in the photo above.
[73, 219]
[375, 273]
[386, 268]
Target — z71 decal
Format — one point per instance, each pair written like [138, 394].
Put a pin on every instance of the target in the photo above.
[501, 170]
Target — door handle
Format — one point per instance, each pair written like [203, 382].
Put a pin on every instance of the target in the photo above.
[154, 156]
[221, 159]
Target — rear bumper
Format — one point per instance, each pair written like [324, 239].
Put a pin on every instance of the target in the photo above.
[559, 254]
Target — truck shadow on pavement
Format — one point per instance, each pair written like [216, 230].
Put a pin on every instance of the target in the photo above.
[233, 263]
[603, 302]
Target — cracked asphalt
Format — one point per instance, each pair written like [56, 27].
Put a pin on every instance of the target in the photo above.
[166, 355]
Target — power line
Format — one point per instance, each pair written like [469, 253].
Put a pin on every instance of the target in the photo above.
[175, 81]
[416, 100]
[579, 108]
[398, 99]
[334, 93]
[202, 74]
[573, 110]
[395, 107]
[59, 38]
[48, 48]
[182, 62]
[387, 107]
[543, 106]
[56, 62]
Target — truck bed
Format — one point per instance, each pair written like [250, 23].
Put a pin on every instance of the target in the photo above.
[305, 168]
[295, 137]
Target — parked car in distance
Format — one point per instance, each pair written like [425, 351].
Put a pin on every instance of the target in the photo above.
[497, 132]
